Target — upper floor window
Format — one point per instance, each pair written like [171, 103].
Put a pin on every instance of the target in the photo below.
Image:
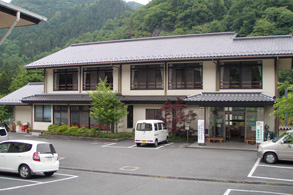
[92, 76]
[185, 76]
[65, 80]
[241, 75]
[147, 77]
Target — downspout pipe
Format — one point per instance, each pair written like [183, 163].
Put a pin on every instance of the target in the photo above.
[11, 27]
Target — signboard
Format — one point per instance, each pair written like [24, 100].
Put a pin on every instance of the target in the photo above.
[200, 132]
[259, 131]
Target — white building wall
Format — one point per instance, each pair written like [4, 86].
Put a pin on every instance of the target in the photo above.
[23, 114]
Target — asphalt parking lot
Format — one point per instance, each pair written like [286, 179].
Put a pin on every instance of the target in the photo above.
[96, 167]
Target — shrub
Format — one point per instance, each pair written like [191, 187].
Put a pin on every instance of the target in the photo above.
[85, 132]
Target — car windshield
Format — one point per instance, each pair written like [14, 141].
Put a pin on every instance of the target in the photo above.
[144, 127]
[280, 137]
[45, 148]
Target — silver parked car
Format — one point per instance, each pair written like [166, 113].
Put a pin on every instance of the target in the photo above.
[277, 149]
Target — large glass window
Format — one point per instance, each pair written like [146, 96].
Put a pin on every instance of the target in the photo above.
[241, 75]
[42, 113]
[60, 115]
[92, 76]
[185, 76]
[66, 80]
[79, 116]
[147, 77]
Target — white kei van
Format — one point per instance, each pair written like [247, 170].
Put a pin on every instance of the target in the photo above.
[150, 132]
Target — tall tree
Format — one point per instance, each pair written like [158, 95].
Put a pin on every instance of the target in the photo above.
[106, 108]
[284, 105]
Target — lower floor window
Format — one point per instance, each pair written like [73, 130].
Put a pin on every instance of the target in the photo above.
[60, 115]
[153, 114]
[42, 113]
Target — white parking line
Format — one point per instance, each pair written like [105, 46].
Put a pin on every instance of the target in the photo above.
[253, 168]
[35, 183]
[107, 145]
[278, 167]
[228, 191]
[267, 178]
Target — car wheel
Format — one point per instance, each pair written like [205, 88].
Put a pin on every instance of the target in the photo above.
[167, 140]
[270, 158]
[25, 172]
[156, 143]
[49, 173]
[138, 144]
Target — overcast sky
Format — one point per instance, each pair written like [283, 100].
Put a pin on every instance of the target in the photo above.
[138, 1]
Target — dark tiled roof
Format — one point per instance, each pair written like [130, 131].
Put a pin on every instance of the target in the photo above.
[62, 98]
[15, 97]
[85, 98]
[202, 99]
[182, 47]
[231, 98]
[152, 99]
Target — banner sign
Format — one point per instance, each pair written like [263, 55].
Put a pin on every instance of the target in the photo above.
[200, 132]
[259, 131]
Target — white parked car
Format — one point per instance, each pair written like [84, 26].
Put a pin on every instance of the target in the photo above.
[150, 132]
[277, 149]
[3, 134]
[27, 157]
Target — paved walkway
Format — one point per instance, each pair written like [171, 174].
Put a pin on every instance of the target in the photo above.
[229, 145]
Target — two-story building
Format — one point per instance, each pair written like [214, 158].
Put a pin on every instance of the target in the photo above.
[229, 81]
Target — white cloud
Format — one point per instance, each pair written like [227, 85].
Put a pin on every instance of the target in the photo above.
[7, 1]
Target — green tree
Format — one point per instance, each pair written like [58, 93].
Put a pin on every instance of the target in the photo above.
[106, 108]
[284, 105]
[25, 77]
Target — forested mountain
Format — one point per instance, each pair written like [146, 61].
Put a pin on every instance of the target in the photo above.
[74, 21]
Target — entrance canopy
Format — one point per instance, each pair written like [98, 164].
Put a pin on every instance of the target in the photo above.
[230, 99]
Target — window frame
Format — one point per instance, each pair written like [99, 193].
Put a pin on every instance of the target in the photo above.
[242, 81]
[43, 119]
[155, 112]
[67, 73]
[97, 70]
[147, 69]
[183, 67]
[61, 111]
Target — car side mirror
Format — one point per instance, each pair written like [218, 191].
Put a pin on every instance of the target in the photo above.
[285, 141]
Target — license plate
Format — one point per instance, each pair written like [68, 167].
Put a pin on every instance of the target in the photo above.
[143, 142]
[49, 159]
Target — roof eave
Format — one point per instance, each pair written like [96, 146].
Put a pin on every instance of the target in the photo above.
[159, 60]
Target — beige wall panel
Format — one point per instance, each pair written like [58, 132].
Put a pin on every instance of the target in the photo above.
[41, 126]
[23, 114]
[209, 76]
[269, 77]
